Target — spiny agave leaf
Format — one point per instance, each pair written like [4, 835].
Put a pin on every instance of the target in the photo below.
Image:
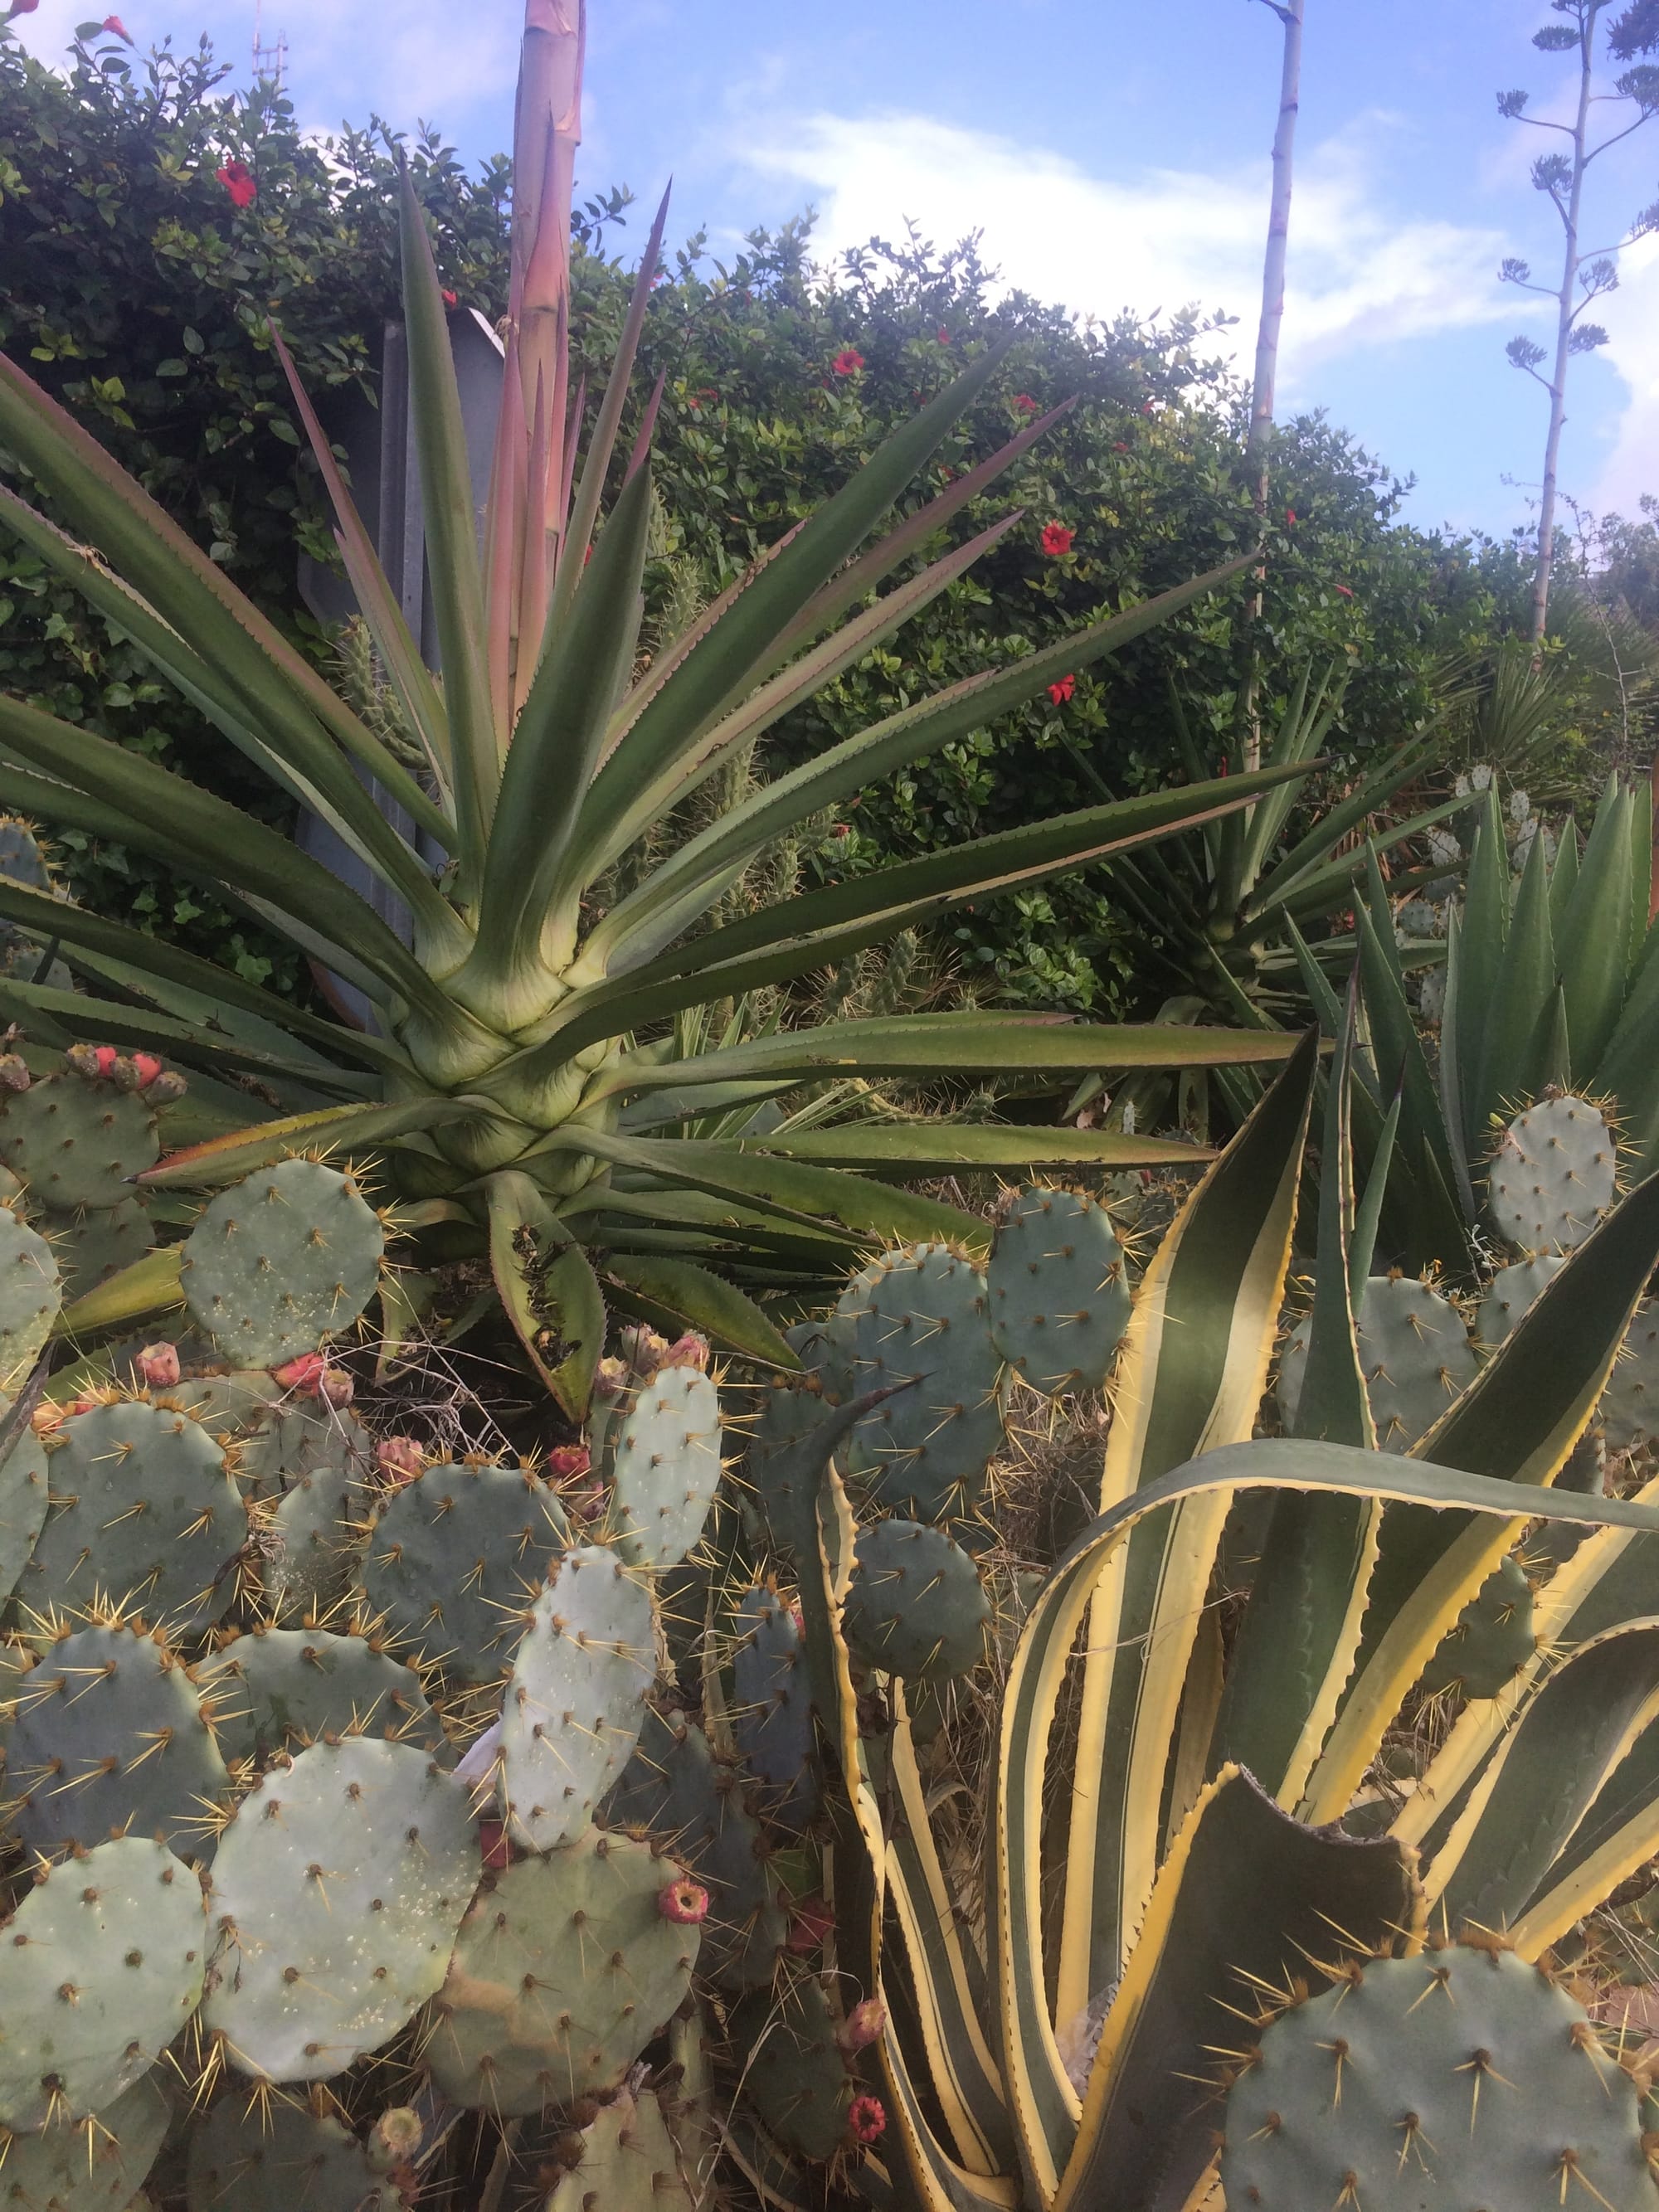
[551, 1295]
[343, 1128]
[693, 1298]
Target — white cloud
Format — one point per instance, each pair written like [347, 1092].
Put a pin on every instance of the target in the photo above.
[1362, 271]
[1631, 317]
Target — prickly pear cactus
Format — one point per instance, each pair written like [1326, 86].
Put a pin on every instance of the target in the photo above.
[629, 2163]
[1554, 1175]
[1460, 2076]
[113, 1736]
[772, 1708]
[576, 1698]
[93, 2165]
[795, 2076]
[453, 1558]
[22, 1502]
[1629, 1405]
[284, 1688]
[1058, 1291]
[921, 1329]
[1510, 1293]
[1415, 1354]
[565, 1967]
[667, 1468]
[30, 1296]
[278, 2158]
[101, 1967]
[283, 1259]
[337, 1888]
[90, 1246]
[144, 1509]
[78, 1138]
[1492, 1639]
[916, 1606]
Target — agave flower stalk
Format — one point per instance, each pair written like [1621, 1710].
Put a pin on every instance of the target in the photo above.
[542, 1076]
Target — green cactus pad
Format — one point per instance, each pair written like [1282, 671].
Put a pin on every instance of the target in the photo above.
[338, 1888]
[576, 1700]
[284, 1259]
[311, 1544]
[629, 2163]
[145, 1510]
[826, 1346]
[667, 1468]
[1461, 2077]
[916, 1606]
[74, 1141]
[295, 1437]
[1630, 1404]
[772, 1709]
[454, 1557]
[1415, 1354]
[23, 1493]
[782, 1418]
[101, 1968]
[90, 1246]
[294, 1686]
[921, 1322]
[1058, 1291]
[1510, 1293]
[1553, 1176]
[795, 2076]
[22, 859]
[564, 1969]
[94, 2165]
[1493, 1640]
[30, 1295]
[249, 2157]
[114, 1737]
[674, 1790]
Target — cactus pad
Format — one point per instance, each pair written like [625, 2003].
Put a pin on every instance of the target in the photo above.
[1510, 1293]
[295, 1686]
[667, 1468]
[91, 1246]
[920, 1321]
[1414, 1352]
[309, 1545]
[564, 1969]
[286, 1439]
[454, 1557]
[101, 1968]
[1460, 2076]
[338, 1888]
[1058, 1291]
[30, 1295]
[794, 2074]
[1493, 1640]
[576, 1700]
[279, 2158]
[783, 1419]
[1553, 1176]
[675, 1788]
[74, 1140]
[772, 1715]
[112, 1737]
[1630, 1404]
[22, 1502]
[916, 1606]
[629, 2163]
[285, 1258]
[144, 1509]
[94, 2165]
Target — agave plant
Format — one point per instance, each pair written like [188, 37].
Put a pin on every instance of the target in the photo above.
[528, 1071]
[1184, 1828]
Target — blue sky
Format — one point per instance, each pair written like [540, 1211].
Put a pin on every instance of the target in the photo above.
[1112, 155]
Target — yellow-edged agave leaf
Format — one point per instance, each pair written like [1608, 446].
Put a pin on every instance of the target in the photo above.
[1249, 1901]
[1519, 1419]
[1618, 1834]
[1046, 2108]
[1192, 1377]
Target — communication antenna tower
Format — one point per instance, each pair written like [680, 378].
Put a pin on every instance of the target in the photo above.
[269, 62]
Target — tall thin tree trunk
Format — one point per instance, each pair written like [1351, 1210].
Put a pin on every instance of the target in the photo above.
[1541, 589]
[1289, 13]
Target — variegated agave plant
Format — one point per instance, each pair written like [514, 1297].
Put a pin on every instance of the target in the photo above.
[1202, 1799]
[541, 1073]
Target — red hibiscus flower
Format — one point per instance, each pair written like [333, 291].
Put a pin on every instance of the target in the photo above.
[1057, 537]
[1289, 518]
[1119, 446]
[448, 298]
[867, 2119]
[1061, 692]
[1025, 403]
[238, 181]
[942, 336]
[117, 27]
[848, 362]
[23, 7]
[1343, 592]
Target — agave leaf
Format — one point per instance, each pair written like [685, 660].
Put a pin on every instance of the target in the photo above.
[1332, 830]
[147, 1031]
[937, 1147]
[1592, 945]
[1505, 1021]
[149, 1285]
[330, 1129]
[1482, 951]
[551, 1297]
[680, 1291]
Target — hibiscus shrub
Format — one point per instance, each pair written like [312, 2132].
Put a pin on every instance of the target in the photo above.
[150, 225]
